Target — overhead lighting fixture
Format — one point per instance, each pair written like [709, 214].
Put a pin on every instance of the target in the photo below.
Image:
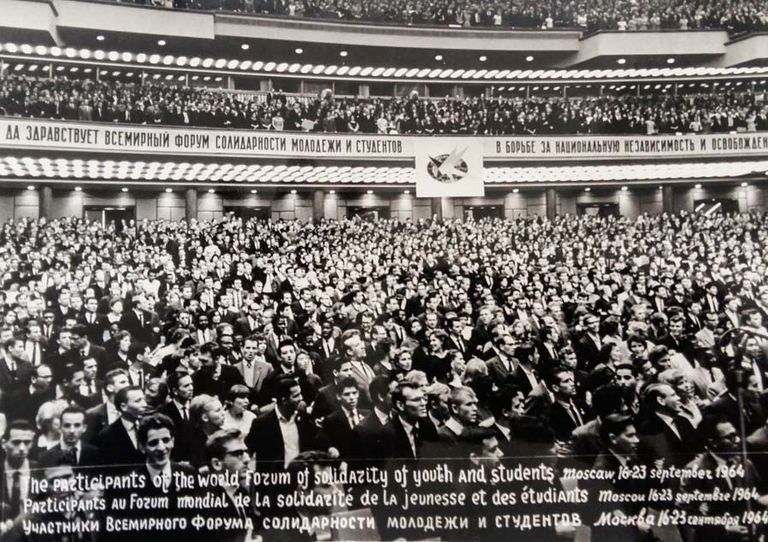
[30, 187]
[624, 188]
[483, 58]
[587, 189]
[331, 191]
[293, 192]
[438, 57]
[369, 192]
[253, 191]
[99, 38]
[124, 189]
[697, 186]
[169, 190]
[529, 58]
[744, 184]
[670, 60]
[621, 61]
[161, 43]
[299, 50]
[515, 190]
[406, 192]
[343, 54]
[78, 189]
[245, 47]
[211, 190]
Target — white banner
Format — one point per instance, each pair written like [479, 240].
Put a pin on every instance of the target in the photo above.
[193, 143]
[449, 167]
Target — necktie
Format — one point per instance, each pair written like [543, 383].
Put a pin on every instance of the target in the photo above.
[16, 494]
[90, 317]
[184, 413]
[91, 388]
[575, 415]
[414, 433]
[36, 354]
[12, 367]
[70, 456]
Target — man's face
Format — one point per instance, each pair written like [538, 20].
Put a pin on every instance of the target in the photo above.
[42, 379]
[711, 321]
[65, 340]
[291, 404]
[89, 369]
[72, 427]
[625, 378]
[236, 458]
[135, 405]
[355, 347]
[465, 409]
[566, 385]
[727, 441]
[17, 446]
[250, 349]
[287, 355]
[593, 324]
[414, 405]
[668, 399]
[490, 454]
[349, 398]
[675, 328]
[158, 447]
[626, 442]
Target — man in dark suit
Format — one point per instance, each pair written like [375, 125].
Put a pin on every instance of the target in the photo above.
[94, 323]
[85, 348]
[287, 367]
[526, 376]
[567, 412]
[23, 403]
[14, 370]
[228, 455]
[71, 449]
[137, 322]
[214, 377]
[266, 438]
[17, 470]
[367, 434]
[665, 436]
[35, 345]
[61, 355]
[503, 364]
[338, 427]
[181, 390]
[408, 431]
[103, 415]
[589, 345]
[118, 443]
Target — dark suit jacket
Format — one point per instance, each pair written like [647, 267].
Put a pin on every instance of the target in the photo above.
[266, 440]
[498, 372]
[561, 421]
[100, 355]
[95, 420]
[130, 323]
[261, 369]
[19, 404]
[10, 382]
[95, 330]
[367, 437]
[89, 456]
[182, 435]
[337, 433]
[204, 382]
[116, 447]
[658, 441]
[396, 444]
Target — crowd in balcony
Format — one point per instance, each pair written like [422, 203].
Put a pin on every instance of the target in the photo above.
[158, 104]
[594, 15]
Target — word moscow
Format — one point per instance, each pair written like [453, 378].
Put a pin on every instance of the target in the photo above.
[581, 378]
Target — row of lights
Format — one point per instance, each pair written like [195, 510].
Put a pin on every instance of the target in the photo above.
[181, 61]
[369, 192]
[622, 61]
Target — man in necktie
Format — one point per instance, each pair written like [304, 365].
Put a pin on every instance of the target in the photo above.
[17, 468]
[338, 427]
[353, 349]
[567, 411]
[227, 455]
[409, 427]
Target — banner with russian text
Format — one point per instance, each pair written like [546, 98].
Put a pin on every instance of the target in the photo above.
[174, 141]
[449, 167]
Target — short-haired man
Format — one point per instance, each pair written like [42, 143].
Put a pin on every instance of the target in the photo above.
[118, 442]
[17, 468]
[338, 427]
[71, 449]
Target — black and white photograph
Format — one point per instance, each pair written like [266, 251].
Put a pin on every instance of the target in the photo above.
[383, 270]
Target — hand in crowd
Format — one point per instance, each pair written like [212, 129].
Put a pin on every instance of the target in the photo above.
[158, 104]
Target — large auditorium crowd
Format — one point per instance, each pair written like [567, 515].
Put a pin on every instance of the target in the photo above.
[594, 15]
[596, 342]
[158, 104]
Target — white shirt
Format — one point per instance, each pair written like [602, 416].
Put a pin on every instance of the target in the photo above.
[670, 423]
[112, 413]
[382, 416]
[290, 432]
[409, 432]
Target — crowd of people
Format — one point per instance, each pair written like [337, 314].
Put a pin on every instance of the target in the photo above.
[240, 347]
[158, 104]
[628, 15]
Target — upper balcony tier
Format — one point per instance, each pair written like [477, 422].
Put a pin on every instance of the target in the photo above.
[382, 42]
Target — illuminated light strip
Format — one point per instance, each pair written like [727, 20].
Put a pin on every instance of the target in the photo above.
[379, 72]
[38, 168]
